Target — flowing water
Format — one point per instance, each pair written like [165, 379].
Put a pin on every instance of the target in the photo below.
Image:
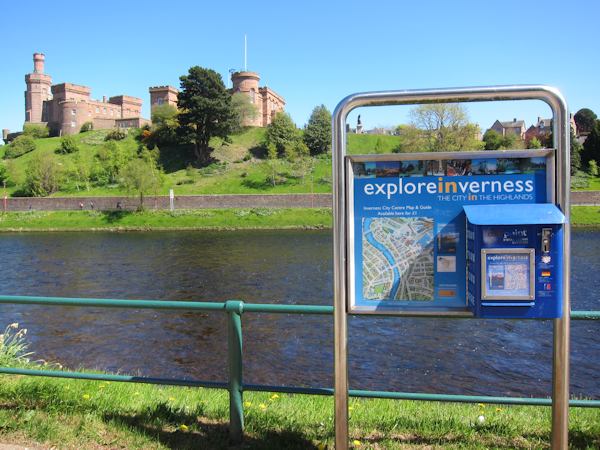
[488, 357]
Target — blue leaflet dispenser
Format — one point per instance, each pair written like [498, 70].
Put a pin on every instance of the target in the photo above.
[514, 260]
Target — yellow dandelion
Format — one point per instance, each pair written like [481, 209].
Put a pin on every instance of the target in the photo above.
[356, 443]
[498, 409]
[86, 396]
[183, 427]
[274, 397]
[481, 405]
[247, 404]
[102, 386]
[262, 406]
[350, 408]
[171, 399]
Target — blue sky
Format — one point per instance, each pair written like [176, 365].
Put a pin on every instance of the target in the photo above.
[311, 52]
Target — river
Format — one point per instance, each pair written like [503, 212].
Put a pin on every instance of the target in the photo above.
[488, 357]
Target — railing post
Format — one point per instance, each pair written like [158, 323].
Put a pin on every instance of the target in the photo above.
[234, 310]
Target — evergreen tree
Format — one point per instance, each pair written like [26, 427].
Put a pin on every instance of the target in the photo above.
[591, 146]
[282, 132]
[317, 135]
[205, 110]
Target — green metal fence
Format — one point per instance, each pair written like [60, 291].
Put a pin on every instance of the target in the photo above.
[235, 385]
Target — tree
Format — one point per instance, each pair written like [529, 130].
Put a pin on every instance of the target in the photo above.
[446, 127]
[244, 110]
[576, 149]
[164, 126]
[495, 141]
[282, 132]
[141, 176]
[534, 143]
[317, 135]
[43, 175]
[109, 160]
[3, 174]
[591, 146]
[585, 119]
[205, 110]
[88, 126]
[412, 139]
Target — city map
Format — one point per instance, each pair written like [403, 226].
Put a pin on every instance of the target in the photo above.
[398, 258]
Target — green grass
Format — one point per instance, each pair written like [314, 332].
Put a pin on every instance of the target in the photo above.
[240, 169]
[81, 414]
[250, 218]
[159, 220]
[585, 215]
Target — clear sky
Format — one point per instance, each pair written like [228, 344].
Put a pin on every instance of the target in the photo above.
[310, 52]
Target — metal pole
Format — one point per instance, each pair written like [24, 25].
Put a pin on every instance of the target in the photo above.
[551, 96]
[339, 279]
[560, 358]
[234, 310]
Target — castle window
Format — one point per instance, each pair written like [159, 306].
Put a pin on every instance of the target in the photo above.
[97, 110]
[159, 101]
[104, 110]
[73, 124]
[73, 112]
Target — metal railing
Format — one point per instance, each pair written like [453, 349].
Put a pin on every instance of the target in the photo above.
[235, 384]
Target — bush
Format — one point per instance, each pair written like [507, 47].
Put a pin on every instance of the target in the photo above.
[67, 146]
[21, 145]
[3, 174]
[116, 135]
[35, 130]
[593, 168]
[88, 126]
[43, 176]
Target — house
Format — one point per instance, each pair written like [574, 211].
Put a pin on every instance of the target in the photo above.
[516, 127]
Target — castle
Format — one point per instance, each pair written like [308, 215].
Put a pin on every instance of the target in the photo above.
[266, 100]
[66, 107]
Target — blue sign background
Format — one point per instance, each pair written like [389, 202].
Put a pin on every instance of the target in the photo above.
[408, 216]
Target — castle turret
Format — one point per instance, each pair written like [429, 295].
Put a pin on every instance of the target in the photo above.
[247, 83]
[161, 95]
[38, 91]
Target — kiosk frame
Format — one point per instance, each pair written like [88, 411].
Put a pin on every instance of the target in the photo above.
[341, 275]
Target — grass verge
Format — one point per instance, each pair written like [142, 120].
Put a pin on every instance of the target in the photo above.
[201, 219]
[63, 413]
[198, 219]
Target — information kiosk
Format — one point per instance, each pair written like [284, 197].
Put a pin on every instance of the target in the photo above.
[453, 234]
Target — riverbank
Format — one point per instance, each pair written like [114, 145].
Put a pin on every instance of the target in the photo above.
[201, 219]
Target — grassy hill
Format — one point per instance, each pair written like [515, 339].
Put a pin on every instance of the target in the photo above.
[239, 168]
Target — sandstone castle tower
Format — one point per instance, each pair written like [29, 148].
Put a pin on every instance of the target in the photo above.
[38, 91]
[267, 101]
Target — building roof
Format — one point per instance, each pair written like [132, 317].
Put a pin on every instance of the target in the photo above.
[513, 124]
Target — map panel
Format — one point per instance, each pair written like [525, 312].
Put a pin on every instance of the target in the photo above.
[398, 258]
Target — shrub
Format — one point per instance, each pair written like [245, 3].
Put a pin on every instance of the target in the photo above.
[36, 130]
[43, 176]
[88, 126]
[116, 135]
[67, 146]
[21, 145]
[593, 168]
[3, 173]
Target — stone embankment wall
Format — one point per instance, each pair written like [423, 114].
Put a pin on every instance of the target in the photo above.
[204, 201]
[162, 202]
